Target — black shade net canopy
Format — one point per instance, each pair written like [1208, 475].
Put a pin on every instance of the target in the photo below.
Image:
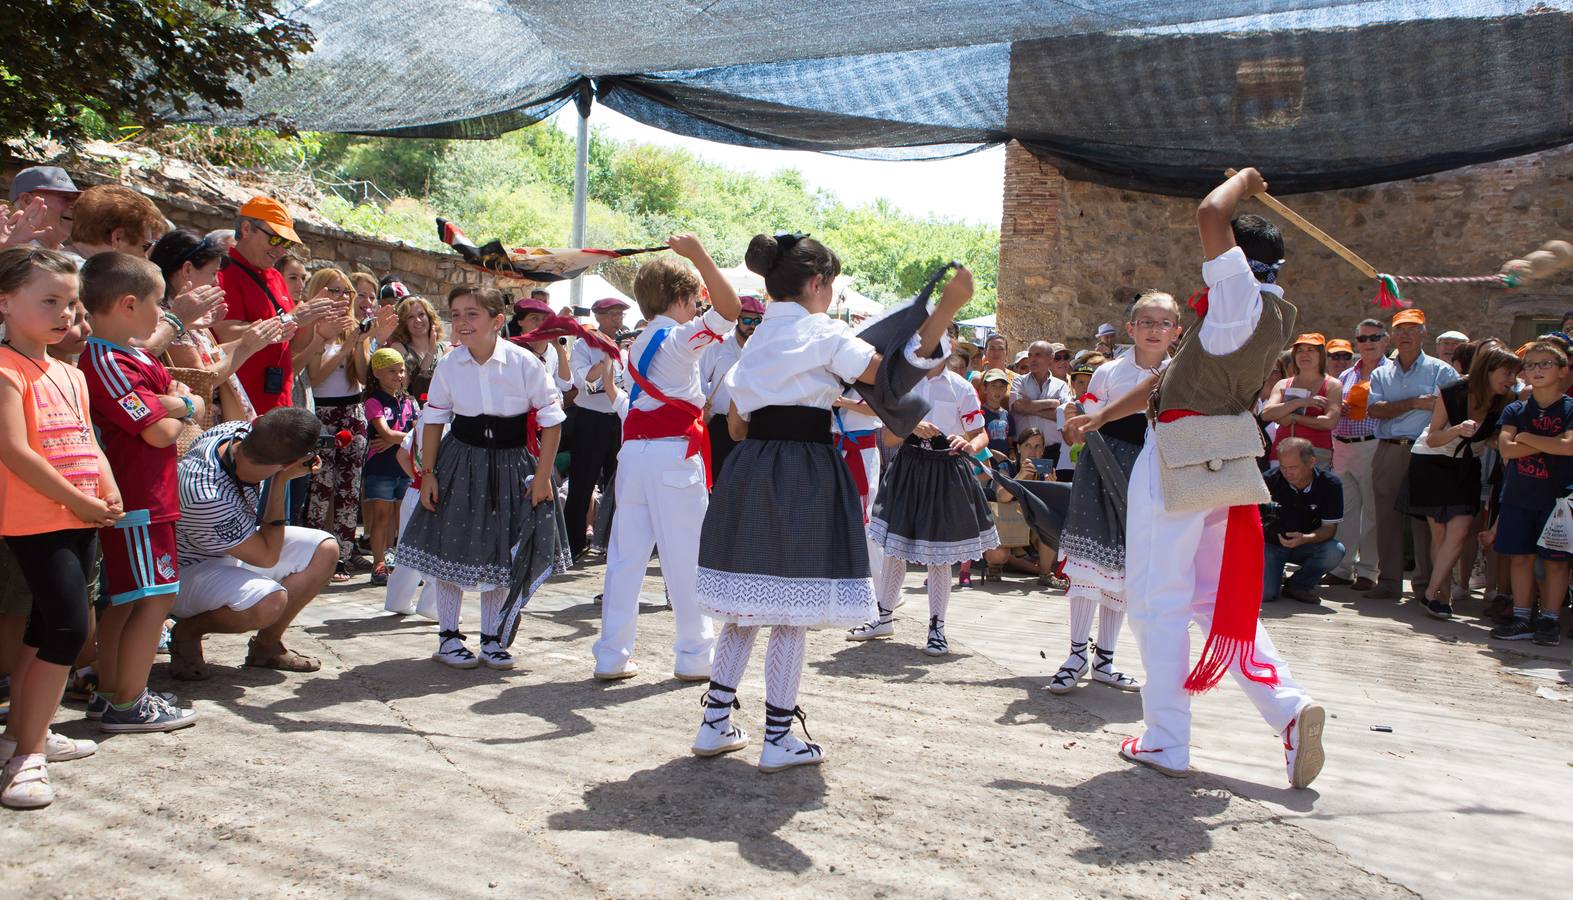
[1153, 96]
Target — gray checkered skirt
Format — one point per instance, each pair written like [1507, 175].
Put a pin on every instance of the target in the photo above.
[931, 509]
[782, 542]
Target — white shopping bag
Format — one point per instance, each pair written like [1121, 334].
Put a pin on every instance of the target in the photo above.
[1558, 533]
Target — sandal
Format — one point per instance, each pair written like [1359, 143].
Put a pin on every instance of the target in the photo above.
[341, 575]
[281, 658]
[185, 661]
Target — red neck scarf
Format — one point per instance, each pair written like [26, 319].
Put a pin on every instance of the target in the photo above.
[1232, 639]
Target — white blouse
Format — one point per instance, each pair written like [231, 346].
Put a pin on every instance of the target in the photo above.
[954, 407]
[511, 382]
[675, 367]
[796, 358]
[1111, 381]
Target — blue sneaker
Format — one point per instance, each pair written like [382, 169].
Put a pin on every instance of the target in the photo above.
[96, 706]
[150, 713]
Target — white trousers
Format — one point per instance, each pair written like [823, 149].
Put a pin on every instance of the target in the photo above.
[1171, 580]
[1357, 532]
[404, 580]
[876, 553]
[661, 502]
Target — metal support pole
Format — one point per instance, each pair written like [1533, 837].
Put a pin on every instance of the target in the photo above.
[581, 177]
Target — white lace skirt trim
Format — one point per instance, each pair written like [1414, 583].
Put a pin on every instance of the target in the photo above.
[750, 599]
[932, 553]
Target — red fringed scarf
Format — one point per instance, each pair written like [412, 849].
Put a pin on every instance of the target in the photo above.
[674, 418]
[1232, 639]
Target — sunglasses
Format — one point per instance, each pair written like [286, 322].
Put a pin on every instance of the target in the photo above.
[1369, 338]
[1061, 357]
[1341, 357]
[749, 320]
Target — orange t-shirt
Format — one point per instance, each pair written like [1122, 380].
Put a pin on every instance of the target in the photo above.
[56, 431]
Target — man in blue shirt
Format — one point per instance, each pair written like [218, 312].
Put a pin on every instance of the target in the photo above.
[1402, 395]
[1310, 505]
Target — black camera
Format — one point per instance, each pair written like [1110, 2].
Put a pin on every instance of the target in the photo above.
[273, 380]
[1270, 513]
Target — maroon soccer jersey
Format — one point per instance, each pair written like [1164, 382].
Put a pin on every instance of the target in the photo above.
[123, 388]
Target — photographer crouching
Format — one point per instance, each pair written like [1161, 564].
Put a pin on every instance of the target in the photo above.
[242, 568]
[1308, 504]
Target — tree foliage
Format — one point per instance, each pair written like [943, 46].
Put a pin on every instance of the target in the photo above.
[133, 61]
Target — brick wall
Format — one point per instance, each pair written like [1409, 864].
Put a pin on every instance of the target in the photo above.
[1072, 254]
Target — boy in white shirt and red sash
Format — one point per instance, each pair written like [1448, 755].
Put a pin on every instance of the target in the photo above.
[663, 470]
[1194, 548]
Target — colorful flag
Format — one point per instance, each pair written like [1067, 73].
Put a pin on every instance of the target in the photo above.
[528, 263]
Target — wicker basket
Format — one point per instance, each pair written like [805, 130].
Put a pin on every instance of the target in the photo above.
[203, 384]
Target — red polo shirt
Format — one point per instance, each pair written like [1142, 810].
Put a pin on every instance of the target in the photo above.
[248, 302]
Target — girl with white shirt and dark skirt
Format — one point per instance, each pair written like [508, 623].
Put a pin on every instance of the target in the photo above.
[782, 544]
[930, 508]
[478, 489]
[1094, 537]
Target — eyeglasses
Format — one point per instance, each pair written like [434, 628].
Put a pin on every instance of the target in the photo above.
[1541, 365]
[749, 320]
[1369, 338]
[1149, 324]
[338, 292]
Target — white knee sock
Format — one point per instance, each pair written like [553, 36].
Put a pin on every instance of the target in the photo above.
[1109, 622]
[887, 584]
[733, 645]
[784, 664]
[450, 598]
[783, 673]
[939, 592]
[491, 612]
[1081, 618]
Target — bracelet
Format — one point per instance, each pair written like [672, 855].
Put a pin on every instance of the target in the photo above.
[191, 408]
[175, 323]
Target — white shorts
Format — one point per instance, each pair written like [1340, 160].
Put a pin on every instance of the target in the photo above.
[226, 581]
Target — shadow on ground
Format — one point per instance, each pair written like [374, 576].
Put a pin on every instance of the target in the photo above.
[723, 801]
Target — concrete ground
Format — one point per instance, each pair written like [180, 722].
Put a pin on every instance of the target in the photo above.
[386, 774]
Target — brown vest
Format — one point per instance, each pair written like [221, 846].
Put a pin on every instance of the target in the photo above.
[1225, 385]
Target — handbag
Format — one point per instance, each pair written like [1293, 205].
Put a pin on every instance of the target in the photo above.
[1557, 534]
[1205, 462]
[1421, 448]
[1011, 523]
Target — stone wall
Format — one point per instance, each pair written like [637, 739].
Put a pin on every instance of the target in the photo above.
[422, 271]
[1072, 254]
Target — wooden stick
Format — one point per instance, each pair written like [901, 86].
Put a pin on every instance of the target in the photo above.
[1321, 236]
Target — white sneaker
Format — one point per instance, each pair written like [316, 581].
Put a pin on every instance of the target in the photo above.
[937, 645]
[1303, 754]
[452, 652]
[788, 752]
[1103, 671]
[494, 656]
[868, 631]
[57, 748]
[24, 783]
[1064, 680]
[629, 670]
[718, 737]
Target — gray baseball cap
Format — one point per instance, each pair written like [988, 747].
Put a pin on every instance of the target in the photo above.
[42, 178]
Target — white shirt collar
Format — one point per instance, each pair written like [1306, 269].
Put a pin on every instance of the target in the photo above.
[786, 309]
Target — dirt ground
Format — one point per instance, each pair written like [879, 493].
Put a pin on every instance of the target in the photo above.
[387, 774]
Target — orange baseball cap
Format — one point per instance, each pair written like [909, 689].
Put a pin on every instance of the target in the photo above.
[270, 212]
[1314, 338]
[1409, 317]
[1339, 345]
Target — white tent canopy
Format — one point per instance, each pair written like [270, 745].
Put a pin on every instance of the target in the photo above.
[846, 299]
[595, 288]
[980, 322]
